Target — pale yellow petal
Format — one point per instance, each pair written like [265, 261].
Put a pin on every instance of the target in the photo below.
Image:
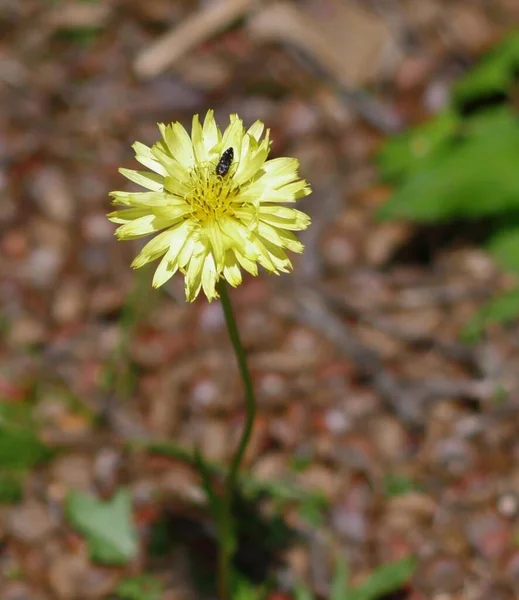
[164, 272]
[209, 277]
[216, 241]
[139, 199]
[211, 133]
[179, 145]
[197, 135]
[280, 171]
[174, 169]
[154, 249]
[193, 276]
[127, 215]
[150, 181]
[283, 217]
[141, 227]
[232, 136]
[231, 270]
[256, 130]
[144, 155]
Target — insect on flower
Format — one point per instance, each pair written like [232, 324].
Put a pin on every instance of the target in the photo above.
[224, 164]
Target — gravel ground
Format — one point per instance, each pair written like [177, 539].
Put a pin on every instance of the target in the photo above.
[362, 381]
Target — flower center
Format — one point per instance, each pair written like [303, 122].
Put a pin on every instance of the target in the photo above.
[210, 195]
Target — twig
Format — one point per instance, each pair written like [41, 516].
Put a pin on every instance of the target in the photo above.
[200, 26]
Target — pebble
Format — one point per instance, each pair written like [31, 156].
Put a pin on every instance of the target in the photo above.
[30, 523]
[489, 534]
[42, 266]
[73, 472]
[53, 194]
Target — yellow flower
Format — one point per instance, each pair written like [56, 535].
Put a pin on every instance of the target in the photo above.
[215, 199]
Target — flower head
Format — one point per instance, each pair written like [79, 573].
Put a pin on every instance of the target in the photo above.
[213, 200]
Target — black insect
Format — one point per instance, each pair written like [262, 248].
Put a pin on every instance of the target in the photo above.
[224, 164]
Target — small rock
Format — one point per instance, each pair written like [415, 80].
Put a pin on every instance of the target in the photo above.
[320, 478]
[352, 524]
[389, 438]
[27, 330]
[42, 266]
[489, 534]
[53, 194]
[73, 472]
[441, 574]
[383, 240]
[106, 466]
[30, 523]
[271, 466]
[508, 505]
[214, 444]
[69, 302]
[339, 250]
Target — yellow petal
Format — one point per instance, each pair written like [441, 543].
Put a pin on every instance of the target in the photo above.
[197, 135]
[211, 133]
[164, 272]
[151, 181]
[209, 277]
[144, 155]
[140, 227]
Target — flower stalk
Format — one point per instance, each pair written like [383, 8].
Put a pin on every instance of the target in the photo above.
[226, 534]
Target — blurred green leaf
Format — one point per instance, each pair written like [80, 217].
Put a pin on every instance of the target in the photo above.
[340, 588]
[385, 579]
[397, 485]
[504, 247]
[142, 587]
[20, 446]
[10, 487]
[494, 74]
[405, 154]
[107, 526]
[502, 309]
[478, 177]
[303, 592]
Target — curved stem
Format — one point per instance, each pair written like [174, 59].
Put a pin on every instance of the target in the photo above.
[225, 529]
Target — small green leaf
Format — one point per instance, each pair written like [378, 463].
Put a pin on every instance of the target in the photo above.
[141, 587]
[20, 446]
[386, 579]
[397, 485]
[340, 588]
[11, 491]
[504, 247]
[500, 310]
[405, 154]
[107, 526]
[495, 72]
[477, 178]
[303, 592]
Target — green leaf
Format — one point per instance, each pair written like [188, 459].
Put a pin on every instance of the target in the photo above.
[495, 73]
[141, 587]
[504, 247]
[403, 155]
[107, 526]
[340, 588]
[386, 579]
[20, 446]
[303, 592]
[11, 491]
[500, 310]
[478, 177]
[397, 485]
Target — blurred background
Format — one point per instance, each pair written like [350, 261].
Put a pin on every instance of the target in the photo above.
[386, 366]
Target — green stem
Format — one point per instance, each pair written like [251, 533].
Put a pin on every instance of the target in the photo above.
[226, 549]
